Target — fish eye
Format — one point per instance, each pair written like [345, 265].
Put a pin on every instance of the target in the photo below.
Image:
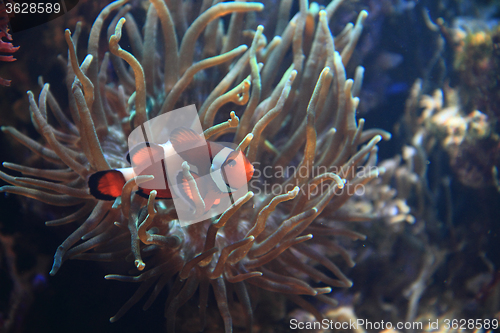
[231, 163]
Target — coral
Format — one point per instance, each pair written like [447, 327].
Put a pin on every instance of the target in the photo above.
[290, 111]
[469, 139]
[444, 261]
[467, 124]
[477, 63]
[5, 46]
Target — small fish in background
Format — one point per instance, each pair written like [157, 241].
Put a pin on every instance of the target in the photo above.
[382, 84]
[397, 88]
[5, 46]
[388, 60]
[229, 169]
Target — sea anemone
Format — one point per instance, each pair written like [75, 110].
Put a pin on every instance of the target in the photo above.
[299, 114]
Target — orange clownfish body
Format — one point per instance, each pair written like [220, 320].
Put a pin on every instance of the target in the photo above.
[217, 169]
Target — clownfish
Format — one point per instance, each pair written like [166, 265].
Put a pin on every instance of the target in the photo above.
[228, 169]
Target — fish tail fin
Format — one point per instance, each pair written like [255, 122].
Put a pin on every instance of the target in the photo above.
[106, 185]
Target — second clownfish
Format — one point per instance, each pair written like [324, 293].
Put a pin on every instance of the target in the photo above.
[228, 169]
